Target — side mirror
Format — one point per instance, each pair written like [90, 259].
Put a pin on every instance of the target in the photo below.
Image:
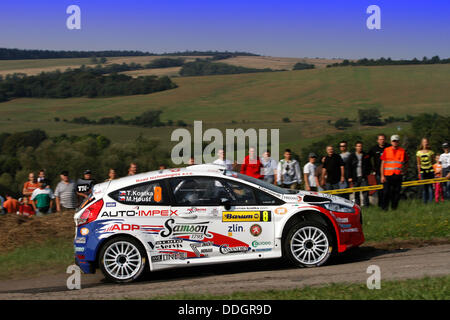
[226, 203]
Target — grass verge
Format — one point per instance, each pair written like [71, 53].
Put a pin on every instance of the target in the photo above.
[436, 288]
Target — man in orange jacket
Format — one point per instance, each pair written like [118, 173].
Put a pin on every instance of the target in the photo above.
[394, 162]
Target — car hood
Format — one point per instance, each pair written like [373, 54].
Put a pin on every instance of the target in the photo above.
[315, 197]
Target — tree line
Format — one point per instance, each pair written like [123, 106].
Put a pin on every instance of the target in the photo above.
[30, 151]
[19, 54]
[81, 82]
[202, 67]
[148, 119]
[389, 62]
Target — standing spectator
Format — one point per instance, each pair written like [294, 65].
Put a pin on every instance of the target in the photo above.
[30, 185]
[269, 170]
[111, 174]
[252, 165]
[425, 158]
[41, 175]
[310, 173]
[359, 168]
[438, 186]
[345, 154]
[132, 170]
[394, 162]
[333, 174]
[2, 200]
[375, 156]
[223, 161]
[42, 199]
[65, 193]
[11, 205]
[84, 186]
[25, 209]
[288, 172]
[444, 159]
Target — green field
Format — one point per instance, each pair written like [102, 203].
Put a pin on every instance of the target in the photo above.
[308, 97]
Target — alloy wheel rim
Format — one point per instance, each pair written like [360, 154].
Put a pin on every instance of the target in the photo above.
[309, 245]
[122, 260]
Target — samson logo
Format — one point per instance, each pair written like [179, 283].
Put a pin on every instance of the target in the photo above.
[194, 230]
[225, 248]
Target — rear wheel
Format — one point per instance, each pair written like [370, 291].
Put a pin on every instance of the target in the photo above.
[122, 259]
[308, 244]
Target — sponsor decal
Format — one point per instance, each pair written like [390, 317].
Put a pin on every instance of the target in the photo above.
[246, 216]
[342, 220]
[167, 244]
[263, 249]
[194, 210]
[122, 227]
[345, 225]
[195, 231]
[84, 231]
[169, 256]
[281, 210]
[110, 204]
[140, 213]
[215, 212]
[255, 230]
[261, 243]
[79, 249]
[350, 230]
[198, 249]
[225, 249]
[80, 240]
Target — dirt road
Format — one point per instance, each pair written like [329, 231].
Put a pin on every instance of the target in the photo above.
[249, 276]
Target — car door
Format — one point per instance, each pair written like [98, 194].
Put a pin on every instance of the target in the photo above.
[197, 201]
[250, 217]
[142, 209]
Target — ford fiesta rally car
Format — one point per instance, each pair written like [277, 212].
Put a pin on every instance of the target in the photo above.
[204, 214]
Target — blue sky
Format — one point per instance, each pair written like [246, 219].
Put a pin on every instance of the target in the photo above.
[331, 29]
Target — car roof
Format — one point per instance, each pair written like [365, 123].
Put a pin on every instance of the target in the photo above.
[202, 169]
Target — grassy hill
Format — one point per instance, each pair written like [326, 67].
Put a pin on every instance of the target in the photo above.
[308, 97]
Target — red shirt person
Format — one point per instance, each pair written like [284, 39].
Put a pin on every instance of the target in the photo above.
[252, 165]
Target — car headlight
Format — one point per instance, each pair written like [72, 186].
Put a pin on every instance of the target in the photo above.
[336, 207]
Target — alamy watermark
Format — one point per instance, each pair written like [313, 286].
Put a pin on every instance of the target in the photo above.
[74, 280]
[73, 22]
[374, 280]
[373, 22]
[193, 146]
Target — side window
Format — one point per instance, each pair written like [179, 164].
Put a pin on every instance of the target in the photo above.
[241, 194]
[267, 199]
[197, 191]
[149, 193]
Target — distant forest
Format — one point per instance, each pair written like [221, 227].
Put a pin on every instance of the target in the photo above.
[389, 62]
[89, 82]
[18, 54]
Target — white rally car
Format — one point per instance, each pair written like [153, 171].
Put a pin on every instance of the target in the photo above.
[204, 214]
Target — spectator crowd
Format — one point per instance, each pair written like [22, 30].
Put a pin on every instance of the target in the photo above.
[384, 163]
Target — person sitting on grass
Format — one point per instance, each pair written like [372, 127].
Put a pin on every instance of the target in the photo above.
[25, 208]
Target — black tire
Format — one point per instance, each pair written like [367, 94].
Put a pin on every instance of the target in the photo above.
[132, 264]
[297, 251]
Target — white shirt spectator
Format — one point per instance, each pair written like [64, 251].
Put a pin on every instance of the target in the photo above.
[310, 170]
[226, 163]
[269, 166]
[288, 172]
[444, 159]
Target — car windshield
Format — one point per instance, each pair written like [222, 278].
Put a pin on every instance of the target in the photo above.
[260, 183]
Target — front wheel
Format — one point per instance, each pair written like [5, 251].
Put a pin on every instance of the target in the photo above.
[122, 259]
[308, 244]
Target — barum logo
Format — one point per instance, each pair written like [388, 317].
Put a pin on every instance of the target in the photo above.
[193, 230]
[258, 140]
